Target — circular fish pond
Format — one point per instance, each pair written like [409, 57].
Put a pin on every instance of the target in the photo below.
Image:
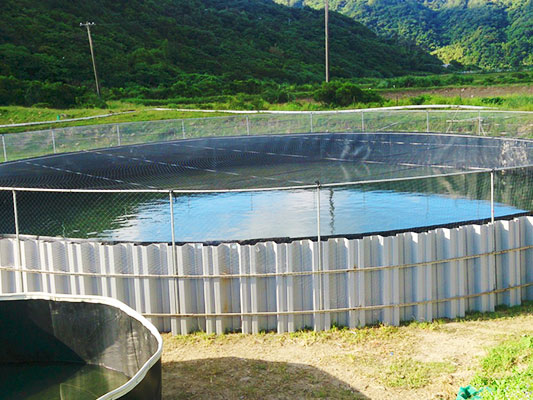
[260, 187]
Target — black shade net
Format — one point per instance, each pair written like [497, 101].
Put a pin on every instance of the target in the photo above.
[248, 162]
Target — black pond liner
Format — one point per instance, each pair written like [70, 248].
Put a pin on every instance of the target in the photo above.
[48, 201]
[80, 332]
[136, 166]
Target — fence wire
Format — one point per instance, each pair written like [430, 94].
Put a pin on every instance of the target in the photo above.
[346, 210]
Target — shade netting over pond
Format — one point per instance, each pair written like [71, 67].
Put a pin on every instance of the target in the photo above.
[275, 186]
[247, 162]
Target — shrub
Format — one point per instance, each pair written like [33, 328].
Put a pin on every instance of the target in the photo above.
[342, 94]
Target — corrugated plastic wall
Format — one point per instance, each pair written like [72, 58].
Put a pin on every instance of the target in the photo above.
[283, 286]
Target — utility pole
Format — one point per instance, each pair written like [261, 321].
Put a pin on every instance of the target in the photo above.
[326, 28]
[88, 26]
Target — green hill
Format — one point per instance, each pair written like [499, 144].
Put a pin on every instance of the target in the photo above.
[223, 44]
[485, 33]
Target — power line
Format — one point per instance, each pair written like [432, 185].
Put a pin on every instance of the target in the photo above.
[88, 26]
[326, 29]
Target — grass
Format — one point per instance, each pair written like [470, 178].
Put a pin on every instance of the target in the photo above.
[402, 371]
[255, 378]
[419, 96]
[512, 102]
[501, 312]
[362, 335]
[17, 114]
[304, 337]
[413, 374]
[507, 370]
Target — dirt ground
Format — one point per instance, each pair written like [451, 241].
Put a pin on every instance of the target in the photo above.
[417, 361]
[465, 92]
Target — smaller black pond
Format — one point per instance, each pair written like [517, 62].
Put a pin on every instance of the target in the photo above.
[57, 381]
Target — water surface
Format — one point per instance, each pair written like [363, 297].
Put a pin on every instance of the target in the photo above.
[345, 210]
[237, 216]
[57, 381]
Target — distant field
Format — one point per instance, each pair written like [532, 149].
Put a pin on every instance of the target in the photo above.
[465, 92]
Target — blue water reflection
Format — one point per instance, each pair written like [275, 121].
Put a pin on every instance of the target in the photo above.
[260, 215]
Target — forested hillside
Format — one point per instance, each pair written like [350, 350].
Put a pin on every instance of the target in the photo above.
[485, 33]
[185, 47]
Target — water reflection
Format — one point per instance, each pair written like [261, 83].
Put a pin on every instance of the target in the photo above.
[237, 216]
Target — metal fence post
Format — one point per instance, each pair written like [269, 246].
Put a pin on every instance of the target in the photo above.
[171, 198]
[20, 287]
[319, 248]
[247, 125]
[311, 121]
[118, 134]
[183, 128]
[427, 120]
[479, 123]
[362, 121]
[4, 146]
[494, 243]
[492, 196]
[53, 140]
[173, 264]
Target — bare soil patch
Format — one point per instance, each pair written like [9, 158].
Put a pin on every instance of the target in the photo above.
[420, 360]
[464, 92]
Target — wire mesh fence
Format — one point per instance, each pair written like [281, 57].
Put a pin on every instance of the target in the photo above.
[285, 213]
[60, 140]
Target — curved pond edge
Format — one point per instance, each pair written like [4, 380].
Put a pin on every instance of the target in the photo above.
[146, 382]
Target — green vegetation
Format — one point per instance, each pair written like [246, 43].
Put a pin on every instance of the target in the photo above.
[236, 54]
[507, 371]
[134, 111]
[413, 374]
[364, 335]
[450, 80]
[507, 102]
[344, 93]
[483, 33]
[182, 50]
[120, 112]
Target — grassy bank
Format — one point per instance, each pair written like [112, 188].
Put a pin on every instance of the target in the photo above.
[125, 112]
[130, 112]
[506, 373]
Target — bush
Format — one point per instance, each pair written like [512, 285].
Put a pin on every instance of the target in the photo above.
[276, 96]
[492, 100]
[246, 102]
[11, 91]
[90, 100]
[419, 100]
[342, 94]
